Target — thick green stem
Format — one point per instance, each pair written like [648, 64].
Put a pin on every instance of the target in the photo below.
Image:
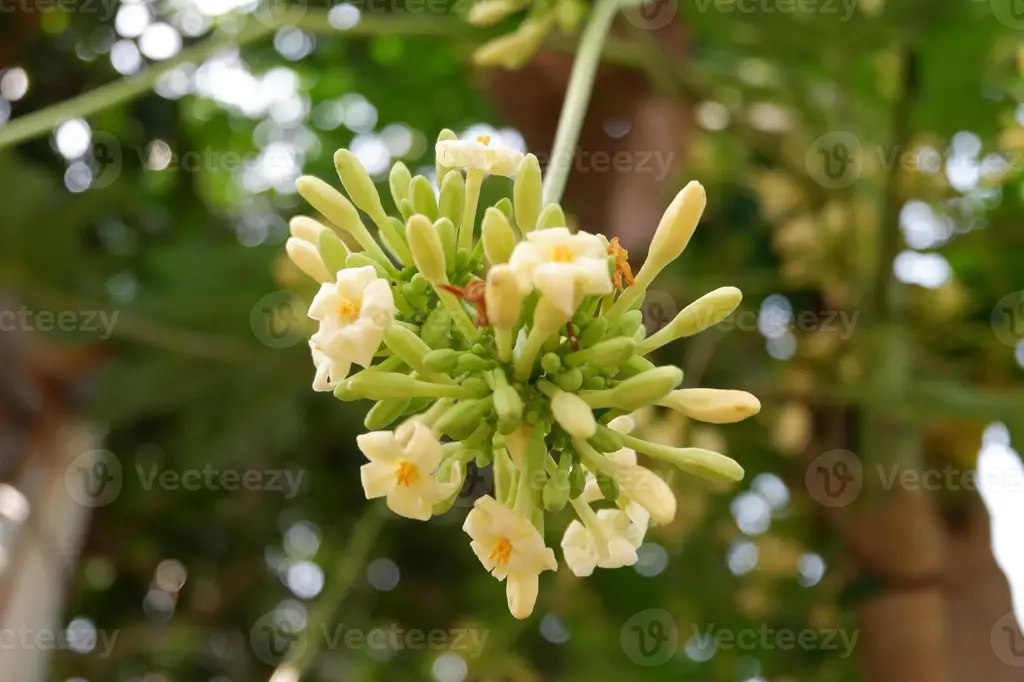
[577, 98]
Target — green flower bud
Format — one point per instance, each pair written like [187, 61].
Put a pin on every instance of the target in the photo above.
[570, 13]
[339, 211]
[460, 420]
[423, 199]
[505, 206]
[436, 329]
[442, 360]
[509, 408]
[359, 260]
[490, 12]
[475, 387]
[513, 50]
[706, 311]
[406, 209]
[551, 363]
[408, 346]
[498, 237]
[573, 415]
[555, 493]
[570, 381]
[595, 330]
[358, 183]
[606, 353]
[577, 480]
[629, 322]
[710, 465]
[502, 298]
[452, 196]
[527, 193]
[594, 383]
[385, 385]
[392, 233]
[638, 391]
[551, 216]
[332, 250]
[399, 180]
[307, 258]
[442, 170]
[635, 365]
[712, 405]
[448, 235]
[427, 250]
[608, 486]
[385, 412]
[472, 363]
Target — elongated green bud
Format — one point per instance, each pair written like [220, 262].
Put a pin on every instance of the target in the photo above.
[635, 365]
[710, 465]
[577, 480]
[427, 250]
[570, 381]
[556, 490]
[498, 237]
[399, 180]
[460, 420]
[490, 12]
[385, 412]
[436, 329]
[593, 332]
[604, 354]
[608, 486]
[513, 50]
[385, 385]
[392, 234]
[509, 408]
[339, 211]
[408, 346]
[472, 363]
[706, 311]
[358, 184]
[629, 322]
[676, 227]
[638, 391]
[527, 194]
[551, 216]
[502, 298]
[441, 360]
[505, 206]
[442, 170]
[332, 250]
[406, 209]
[573, 415]
[712, 405]
[452, 196]
[551, 363]
[359, 260]
[448, 235]
[423, 199]
[307, 258]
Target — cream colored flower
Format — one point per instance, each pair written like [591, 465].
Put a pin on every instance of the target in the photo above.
[353, 312]
[510, 548]
[478, 154]
[329, 372]
[634, 514]
[401, 467]
[563, 266]
[608, 539]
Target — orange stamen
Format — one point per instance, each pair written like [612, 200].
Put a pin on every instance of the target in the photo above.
[501, 552]
[407, 474]
[622, 269]
[563, 254]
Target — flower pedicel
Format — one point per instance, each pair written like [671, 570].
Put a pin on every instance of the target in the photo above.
[523, 351]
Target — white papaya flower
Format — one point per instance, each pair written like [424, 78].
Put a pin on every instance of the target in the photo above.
[563, 266]
[478, 154]
[401, 467]
[608, 539]
[511, 549]
[354, 312]
[329, 372]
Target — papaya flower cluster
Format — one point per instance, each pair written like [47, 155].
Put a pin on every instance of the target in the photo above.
[517, 344]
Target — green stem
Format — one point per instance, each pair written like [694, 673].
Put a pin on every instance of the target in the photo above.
[474, 181]
[577, 98]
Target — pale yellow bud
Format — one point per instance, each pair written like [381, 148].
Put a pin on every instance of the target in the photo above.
[706, 311]
[489, 12]
[513, 50]
[677, 225]
[573, 415]
[306, 229]
[502, 298]
[712, 405]
[427, 250]
[307, 258]
[339, 211]
[499, 240]
[527, 193]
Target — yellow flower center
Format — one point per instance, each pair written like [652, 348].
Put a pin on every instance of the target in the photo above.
[407, 473]
[502, 551]
[563, 254]
[483, 139]
[348, 310]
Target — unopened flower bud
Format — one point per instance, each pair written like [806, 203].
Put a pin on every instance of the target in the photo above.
[650, 491]
[385, 385]
[305, 228]
[408, 346]
[423, 199]
[361, 260]
[358, 183]
[399, 180]
[606, 439]
[638, 391]
[307, 258]
[460, 420]
[607, 485]
[527, 194]
[502, 298]
[385, 412]
[441, 360]
[676, 227]
[490, 12]
[556, 492]
[513, 50]
[498, 238]
[711, 405]
[339, 211]
[604, 354]
[452, 195]
[706, 311]
[573, 415]
[332, 250]
[509, 408]
[449, 237]
[427, 250]
[551, 216]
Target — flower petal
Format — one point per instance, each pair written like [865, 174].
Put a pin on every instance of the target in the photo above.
[380, 446]
[405, 502]
[378, 479]
[521, 591]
